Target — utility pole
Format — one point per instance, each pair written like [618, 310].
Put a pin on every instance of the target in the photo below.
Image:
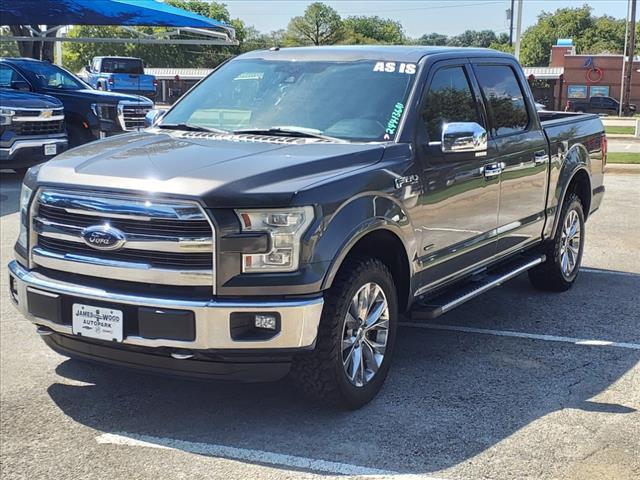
[511, 24]
[631, 43]
[624, 59]
[519, 29]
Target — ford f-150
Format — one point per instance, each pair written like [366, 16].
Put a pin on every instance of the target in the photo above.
[285, 213]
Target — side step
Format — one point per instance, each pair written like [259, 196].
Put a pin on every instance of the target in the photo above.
[448, 300]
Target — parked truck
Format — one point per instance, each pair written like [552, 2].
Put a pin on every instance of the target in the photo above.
[120, 74]
[283, 225]
[31, 126]
[90, 114]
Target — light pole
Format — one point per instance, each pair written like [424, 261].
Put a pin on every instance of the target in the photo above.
[518, 29]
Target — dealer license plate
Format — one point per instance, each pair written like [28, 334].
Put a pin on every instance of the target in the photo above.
[50, 149]
[96, 322]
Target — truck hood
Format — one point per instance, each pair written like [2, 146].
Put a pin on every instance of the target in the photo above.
[221, 171]
[20, 99]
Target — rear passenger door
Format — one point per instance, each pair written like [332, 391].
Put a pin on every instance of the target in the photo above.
[522, 153]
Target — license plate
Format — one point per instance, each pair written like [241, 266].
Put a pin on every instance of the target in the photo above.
[50, 149]
[96, 322]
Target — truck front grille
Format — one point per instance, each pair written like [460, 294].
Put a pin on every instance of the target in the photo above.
[131, 115]
[163, 242]
[38, 127]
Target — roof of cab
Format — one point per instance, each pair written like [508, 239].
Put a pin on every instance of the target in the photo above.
[398, 53]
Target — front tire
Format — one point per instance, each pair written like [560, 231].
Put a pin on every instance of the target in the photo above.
[564, 254]
[356, 337]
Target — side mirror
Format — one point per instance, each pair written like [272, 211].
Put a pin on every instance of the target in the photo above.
[463, 137]
[152, 117]
[20, 85]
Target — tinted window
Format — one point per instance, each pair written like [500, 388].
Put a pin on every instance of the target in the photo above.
[8, 75]
[506, 104]
[449, 99]
[48, 75]
[122, 65]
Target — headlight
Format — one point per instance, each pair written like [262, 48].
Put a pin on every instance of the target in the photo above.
[104, 111]
[286, 227]
[25, 196]
[5, 116]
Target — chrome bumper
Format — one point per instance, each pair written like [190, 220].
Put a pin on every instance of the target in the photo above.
[20, 144]
[299, 318]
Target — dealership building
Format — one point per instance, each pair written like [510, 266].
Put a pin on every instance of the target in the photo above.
[570, 76]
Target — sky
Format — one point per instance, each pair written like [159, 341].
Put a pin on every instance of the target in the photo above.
[449, 17]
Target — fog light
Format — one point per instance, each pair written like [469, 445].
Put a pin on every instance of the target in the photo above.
[265, 321]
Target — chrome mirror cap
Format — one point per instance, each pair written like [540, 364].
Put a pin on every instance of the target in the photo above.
[463, 137]
[152, 116]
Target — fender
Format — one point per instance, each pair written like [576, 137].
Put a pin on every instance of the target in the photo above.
[576, 159]
[359, 217]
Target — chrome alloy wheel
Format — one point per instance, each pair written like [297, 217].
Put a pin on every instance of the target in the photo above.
[364, 334]
[570, 243]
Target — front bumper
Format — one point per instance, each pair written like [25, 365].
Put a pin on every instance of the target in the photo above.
[27, 152]
[213, 337]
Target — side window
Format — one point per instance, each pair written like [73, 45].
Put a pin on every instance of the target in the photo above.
[6, 76]
[449, 99]
[504, 97]
[96, 65]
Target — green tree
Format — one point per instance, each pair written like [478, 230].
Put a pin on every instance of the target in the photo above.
[320, 25]
[474, 38]
[436, 39]
[364, 29]
[563, 23]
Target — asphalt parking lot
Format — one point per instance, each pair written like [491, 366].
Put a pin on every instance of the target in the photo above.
[515, 384]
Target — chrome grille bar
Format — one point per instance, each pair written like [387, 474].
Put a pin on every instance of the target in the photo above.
[168, 242]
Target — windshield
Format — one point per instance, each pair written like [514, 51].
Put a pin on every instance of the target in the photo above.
[52, 76]
[122, 65]
[355, 100]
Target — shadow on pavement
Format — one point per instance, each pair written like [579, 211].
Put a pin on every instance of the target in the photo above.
[449, 397]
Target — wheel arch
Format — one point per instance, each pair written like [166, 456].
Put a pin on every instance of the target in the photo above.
[381, 240]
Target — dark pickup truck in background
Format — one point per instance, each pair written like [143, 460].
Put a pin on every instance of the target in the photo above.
[282, 215]
[599, 105]
[90, 114]
[31, 127]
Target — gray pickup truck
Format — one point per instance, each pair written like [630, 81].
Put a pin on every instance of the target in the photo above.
[284, 213]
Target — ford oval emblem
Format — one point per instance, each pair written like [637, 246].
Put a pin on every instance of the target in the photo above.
[103, 237]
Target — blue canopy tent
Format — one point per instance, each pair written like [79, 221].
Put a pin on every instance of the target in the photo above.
[125, 13]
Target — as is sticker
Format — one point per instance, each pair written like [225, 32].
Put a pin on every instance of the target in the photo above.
[391, 67]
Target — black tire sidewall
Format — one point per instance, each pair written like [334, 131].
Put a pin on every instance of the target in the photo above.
[358, 396]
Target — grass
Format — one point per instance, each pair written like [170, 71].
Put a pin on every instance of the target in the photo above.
[623, 157]
[620, 130]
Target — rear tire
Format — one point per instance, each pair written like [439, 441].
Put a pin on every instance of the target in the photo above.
[353, 349]
[564, 253]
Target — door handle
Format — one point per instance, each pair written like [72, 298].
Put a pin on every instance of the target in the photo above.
[540, 157]
[493, 170]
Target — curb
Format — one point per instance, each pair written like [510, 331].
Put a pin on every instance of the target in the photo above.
[620, 136]
[622, 168]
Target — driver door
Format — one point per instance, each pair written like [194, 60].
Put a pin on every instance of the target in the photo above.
[458, 212]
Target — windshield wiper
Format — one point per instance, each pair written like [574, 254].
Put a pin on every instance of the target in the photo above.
[189, 127]
[290, 132]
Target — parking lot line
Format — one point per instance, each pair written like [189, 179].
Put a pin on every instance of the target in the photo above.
[530, 336]
[233, 453]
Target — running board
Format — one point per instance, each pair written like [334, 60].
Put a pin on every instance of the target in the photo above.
[450, 299]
